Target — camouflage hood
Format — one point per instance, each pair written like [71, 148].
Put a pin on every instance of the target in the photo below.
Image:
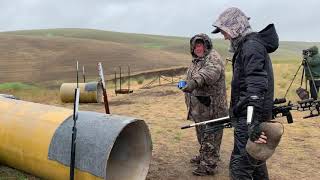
[232, 21]
[314, 50]
[206, 41]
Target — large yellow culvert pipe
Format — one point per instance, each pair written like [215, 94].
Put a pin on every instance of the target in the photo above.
[90, 92]
[36, 138]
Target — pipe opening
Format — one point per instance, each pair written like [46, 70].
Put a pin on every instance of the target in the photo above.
[130, 156]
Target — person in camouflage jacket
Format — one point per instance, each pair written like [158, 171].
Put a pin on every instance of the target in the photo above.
[312, 70]
[205, 97]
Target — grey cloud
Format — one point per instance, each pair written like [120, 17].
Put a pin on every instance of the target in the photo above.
[295, 20]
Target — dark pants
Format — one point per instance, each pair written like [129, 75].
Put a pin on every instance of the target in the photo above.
[242, 165]
[314, 89]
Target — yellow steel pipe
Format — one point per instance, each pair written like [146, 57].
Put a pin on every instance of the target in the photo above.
[26, 130]
[90, 92]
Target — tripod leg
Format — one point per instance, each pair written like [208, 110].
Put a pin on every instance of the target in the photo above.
[294, 77]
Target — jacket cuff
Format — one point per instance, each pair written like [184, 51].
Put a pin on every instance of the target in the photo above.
[199, 80]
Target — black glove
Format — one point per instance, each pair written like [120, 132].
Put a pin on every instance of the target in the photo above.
[254, 128]
[254, 131]
[191, 85]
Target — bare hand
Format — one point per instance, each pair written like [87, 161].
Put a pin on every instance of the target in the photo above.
[262, 139]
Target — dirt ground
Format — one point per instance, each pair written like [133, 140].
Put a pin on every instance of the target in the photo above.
[163, 108]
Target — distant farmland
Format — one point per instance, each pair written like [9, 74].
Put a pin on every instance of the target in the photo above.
[42, 56]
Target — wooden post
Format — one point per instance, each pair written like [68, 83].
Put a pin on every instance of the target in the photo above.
[115, 82]
[104, 88]
[129, 73]
[120, 78]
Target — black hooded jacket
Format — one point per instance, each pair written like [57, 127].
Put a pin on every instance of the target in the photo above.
[253, 73]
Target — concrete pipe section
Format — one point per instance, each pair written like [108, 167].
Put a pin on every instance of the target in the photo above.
[89, 92]
[36, 138]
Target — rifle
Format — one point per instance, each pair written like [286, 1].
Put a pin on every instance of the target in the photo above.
[105, 96]
[282, 110]
[311, 105]
[74, 128]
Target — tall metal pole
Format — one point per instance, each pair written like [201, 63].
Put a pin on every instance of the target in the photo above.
[77, 74]
[105, 96]
[129, 73]
[74, 128]
[115, 82]
[120, 77]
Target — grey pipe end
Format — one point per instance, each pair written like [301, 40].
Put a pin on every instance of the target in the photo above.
[131, 153]
[108, 146]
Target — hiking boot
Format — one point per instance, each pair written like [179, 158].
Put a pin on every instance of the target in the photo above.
[195, 160]
[204, 171]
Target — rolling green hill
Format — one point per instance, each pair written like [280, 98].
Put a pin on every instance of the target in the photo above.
[49, 55]
[287, 50]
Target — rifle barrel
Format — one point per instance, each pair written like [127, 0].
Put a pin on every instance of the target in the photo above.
[206, 122]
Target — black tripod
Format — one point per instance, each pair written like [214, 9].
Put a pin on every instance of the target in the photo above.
[306, 67]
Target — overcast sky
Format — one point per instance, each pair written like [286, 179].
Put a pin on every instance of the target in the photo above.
[294, 20]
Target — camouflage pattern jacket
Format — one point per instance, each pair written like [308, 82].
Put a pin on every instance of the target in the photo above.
[314, 65]
[208, 100]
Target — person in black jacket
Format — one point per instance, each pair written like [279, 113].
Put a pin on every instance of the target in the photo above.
[252, 85]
